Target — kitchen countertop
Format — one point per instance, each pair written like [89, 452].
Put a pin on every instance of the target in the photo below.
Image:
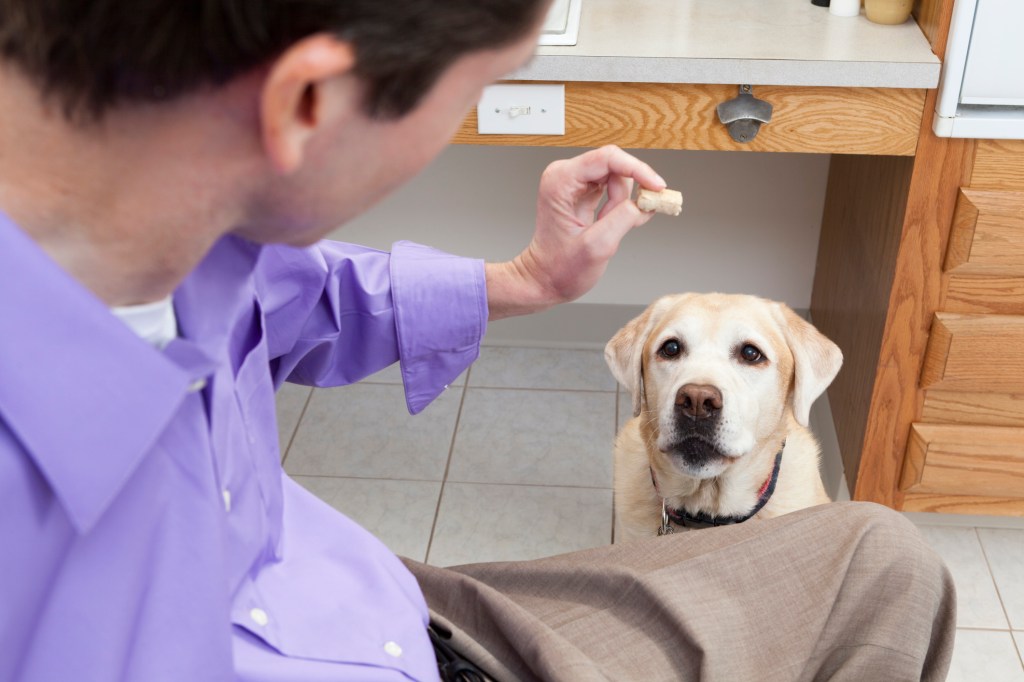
[761, 42]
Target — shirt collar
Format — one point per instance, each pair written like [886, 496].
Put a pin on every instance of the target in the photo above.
[84, 395]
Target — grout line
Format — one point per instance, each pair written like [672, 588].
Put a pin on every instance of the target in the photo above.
[549, 390]
[532, 485]
[507, 388]
[367, 478]
[434, 480]
[298, 423]
[615, 433]
[992, 575]
[447, 464]
[981, 629]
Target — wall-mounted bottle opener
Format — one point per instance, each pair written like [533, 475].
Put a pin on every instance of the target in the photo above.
[744, 114]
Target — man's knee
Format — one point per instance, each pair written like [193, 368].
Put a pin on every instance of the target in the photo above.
[888, 542]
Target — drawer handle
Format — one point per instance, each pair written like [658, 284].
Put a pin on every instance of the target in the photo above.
[744, 114]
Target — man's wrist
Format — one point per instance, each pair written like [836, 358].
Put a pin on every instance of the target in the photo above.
[512, 290]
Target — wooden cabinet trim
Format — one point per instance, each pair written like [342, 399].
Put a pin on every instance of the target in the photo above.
[971, 293]
[683, 116]
[943, 503]
[999, 164]
[973, 407]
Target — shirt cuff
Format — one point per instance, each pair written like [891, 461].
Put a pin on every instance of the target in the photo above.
[440, 304]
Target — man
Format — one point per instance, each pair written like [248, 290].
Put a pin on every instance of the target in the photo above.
[166, 172]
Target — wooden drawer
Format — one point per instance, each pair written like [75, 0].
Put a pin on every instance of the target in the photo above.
[965, 407]
[999, 164]
[972, 293]
[975, 353]
[683, 116]
[986, 461]
[987, 235]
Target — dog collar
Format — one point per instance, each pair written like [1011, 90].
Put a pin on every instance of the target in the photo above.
[683, 518]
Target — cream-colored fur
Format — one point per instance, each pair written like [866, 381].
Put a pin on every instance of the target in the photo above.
[717, 465]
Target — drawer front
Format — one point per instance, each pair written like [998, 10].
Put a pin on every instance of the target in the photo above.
[979, 353]
[999, 164]
[986, 461]
[987, 234]
[965, 407]
[970, 293]
[683, 116]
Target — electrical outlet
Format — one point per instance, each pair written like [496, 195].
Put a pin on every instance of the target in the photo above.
[511, 109]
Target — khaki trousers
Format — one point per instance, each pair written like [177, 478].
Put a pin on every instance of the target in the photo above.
[845, 591]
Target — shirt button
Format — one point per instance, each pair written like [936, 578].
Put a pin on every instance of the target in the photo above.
[197, 385]
[259, 616]
[392, 649]
[226, 494]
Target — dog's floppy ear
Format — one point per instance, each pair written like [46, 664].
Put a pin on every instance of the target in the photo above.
[624, 354]
[816, 361]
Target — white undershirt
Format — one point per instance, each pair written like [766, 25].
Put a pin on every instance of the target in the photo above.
[155, 322]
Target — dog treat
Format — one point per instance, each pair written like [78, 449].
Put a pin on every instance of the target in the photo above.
[667, 201]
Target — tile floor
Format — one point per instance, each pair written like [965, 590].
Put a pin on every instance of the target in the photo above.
[463, 464]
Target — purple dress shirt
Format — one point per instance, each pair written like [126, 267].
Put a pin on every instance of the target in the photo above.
[147, 529]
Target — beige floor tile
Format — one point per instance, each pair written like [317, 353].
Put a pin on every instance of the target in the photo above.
[480, 522]
[1018, 637]
[535, 437]
[365, 431]
[977, 602]
[1005, 551]
[291, 400]
[567, 370]
[985, 656]
[400, 513]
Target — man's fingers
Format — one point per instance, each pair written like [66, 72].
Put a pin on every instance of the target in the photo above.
[599, 165]
[606, 233]
[619, 189]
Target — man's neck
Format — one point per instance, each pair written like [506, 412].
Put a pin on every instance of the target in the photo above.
[125, 205]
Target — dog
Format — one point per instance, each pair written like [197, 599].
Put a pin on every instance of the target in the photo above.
[722, 388]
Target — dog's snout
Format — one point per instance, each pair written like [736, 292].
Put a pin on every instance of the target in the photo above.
[698, 401]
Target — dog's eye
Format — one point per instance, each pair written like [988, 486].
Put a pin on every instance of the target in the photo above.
[670, 349]
[751, 353]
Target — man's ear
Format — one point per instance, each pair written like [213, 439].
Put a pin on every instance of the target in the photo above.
[816, 361]
[296, 97]
[624, 353]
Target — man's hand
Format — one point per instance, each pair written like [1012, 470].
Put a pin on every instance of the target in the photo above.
[571, 246]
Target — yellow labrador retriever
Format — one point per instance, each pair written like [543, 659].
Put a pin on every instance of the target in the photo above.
[722, 388]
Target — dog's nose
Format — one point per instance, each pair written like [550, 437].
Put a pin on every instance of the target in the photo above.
[699, 401]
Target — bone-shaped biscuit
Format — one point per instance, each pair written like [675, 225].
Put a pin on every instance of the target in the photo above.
[667, 201]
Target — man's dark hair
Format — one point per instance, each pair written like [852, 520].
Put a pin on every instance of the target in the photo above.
[92, 55]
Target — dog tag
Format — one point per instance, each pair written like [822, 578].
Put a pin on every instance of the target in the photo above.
[666, 525]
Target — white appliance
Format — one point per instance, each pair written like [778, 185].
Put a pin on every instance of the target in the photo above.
[981, 93]
[562, 24]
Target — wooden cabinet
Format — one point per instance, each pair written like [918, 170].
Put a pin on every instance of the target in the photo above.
[920, 279]
[937, 351]
[965, 451]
